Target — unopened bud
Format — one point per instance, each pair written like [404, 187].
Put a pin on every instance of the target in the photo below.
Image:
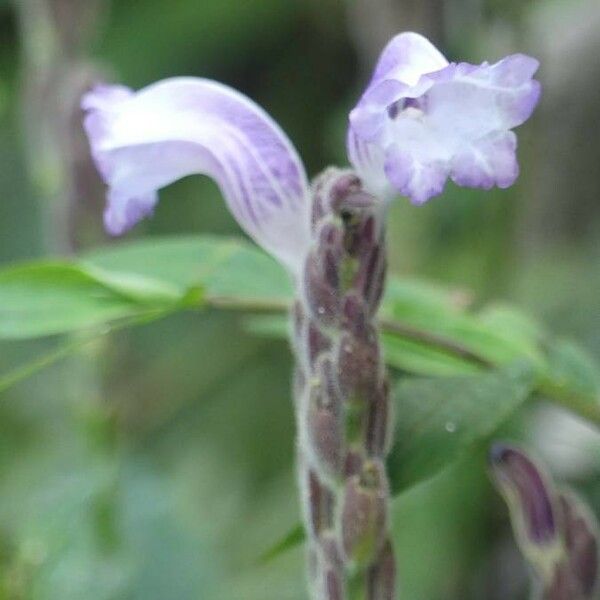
[325, 430]
[581, 540]
[364, 514]
[555, 530]
[370, 278]
[358, 363]
[334, 587]
[378, 433]
[529, 493]
[381, 578]
[330, 190]
[323, 298]
[319, 501]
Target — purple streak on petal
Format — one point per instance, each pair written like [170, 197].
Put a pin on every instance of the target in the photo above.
[143, 141]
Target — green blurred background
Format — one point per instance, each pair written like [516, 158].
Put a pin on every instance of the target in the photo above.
[158, 463]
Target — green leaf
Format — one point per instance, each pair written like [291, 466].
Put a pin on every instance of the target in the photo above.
[572, 379]
[290, 540]
[439, 420]
[420, 357]
[228, 269]
[427, 330]
[496, 335]
[48, 298]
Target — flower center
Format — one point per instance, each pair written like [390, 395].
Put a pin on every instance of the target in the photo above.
[413, 108]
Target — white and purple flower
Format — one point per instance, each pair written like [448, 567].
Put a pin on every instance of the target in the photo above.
[421, 121]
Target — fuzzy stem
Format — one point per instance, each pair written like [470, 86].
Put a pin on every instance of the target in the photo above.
[342, 397]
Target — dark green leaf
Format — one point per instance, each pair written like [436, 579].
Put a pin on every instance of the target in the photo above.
[439, 420]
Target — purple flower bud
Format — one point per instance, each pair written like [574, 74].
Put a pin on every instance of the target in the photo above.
[581, 539]
[358, 363]
[378, 432]
[370, 279]
[529, 493]
[334, 588]
[381, 578]
[326, 429]
[364, 513]
[556, 532]
[320, 503]
[323, 299]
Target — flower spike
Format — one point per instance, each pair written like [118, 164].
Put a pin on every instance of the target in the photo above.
[142, 141]
[423, 120]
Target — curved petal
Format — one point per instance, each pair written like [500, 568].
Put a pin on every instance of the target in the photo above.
[143, 141]
[406, 57]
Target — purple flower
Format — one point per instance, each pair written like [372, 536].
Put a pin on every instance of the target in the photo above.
[420, 121]
[423, 120]
[144, 141]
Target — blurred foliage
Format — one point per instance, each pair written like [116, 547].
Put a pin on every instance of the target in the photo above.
[157, 462]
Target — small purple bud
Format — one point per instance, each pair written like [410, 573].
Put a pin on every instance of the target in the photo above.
[381, 579]
[320, 502]
[323, 299]
[331, 550]
[581, 539]
[330, 190]
[353, 464]
[334, 589]
[370, 279]
[355, 318]
[358, 363]
[344, 186]
[378, 422]
[364, 514]
[528, 492]
[326, 430]
[562, 586]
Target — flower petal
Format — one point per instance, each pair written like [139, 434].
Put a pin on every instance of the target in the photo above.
[369, 161]
[143, 141]
[413, 177]
[468, 102]
[487, 162]
[406, 58]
